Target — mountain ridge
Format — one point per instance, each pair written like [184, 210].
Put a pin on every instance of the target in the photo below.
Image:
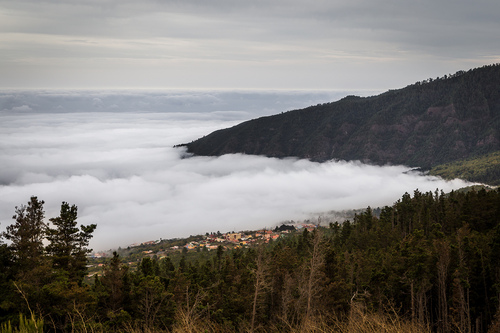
[425, 124]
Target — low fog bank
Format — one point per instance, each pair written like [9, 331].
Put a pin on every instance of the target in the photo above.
[246, 103]
[121, 171]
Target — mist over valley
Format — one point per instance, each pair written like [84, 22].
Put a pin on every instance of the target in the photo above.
[112, 155]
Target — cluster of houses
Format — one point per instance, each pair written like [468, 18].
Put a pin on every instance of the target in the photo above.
[232, 239]
[228, 240]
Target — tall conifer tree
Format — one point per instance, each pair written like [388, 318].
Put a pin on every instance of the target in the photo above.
[67, 244]
[26, 234]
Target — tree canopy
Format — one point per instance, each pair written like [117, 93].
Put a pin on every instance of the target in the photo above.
[428, 263]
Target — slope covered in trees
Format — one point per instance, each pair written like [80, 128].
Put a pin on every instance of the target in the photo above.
[43, 268]
[482, 169]
[423, 125]
[429, 263]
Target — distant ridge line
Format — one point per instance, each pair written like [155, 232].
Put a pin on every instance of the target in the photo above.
[425, 124]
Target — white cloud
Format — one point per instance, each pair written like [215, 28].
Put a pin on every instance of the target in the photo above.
[121, 171]
[22, 108]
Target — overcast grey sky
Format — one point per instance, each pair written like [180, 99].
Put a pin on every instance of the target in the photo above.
[277, 44]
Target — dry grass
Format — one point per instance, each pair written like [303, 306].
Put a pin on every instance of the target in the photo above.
[359, 321]
[373, 322]
[366, 323]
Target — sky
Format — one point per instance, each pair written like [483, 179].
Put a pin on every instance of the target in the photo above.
[111, 154]
[257, 44]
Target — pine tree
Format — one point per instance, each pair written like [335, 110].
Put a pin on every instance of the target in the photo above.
[26, 234]
[67, 244]
[113, 281]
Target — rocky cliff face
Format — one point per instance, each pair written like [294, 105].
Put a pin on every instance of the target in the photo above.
[424, 124]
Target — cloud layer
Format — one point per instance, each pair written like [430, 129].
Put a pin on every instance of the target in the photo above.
[121, 170]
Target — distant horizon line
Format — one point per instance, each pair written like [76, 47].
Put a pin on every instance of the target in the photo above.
[155, 89]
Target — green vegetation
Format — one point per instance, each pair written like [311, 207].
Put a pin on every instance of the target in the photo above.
[31, 325]
[423, 125]
[43, 269]
[484, 169]
[429, 263]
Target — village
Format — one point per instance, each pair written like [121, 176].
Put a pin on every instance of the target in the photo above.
[174, 248]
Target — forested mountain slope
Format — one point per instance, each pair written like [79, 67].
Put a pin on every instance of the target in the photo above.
[429, 264]
[422, 125]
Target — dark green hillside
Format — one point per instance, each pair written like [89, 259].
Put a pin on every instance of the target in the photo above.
[484, 169]
[423, 125]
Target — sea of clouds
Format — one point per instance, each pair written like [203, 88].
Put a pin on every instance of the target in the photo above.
[112, 154]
